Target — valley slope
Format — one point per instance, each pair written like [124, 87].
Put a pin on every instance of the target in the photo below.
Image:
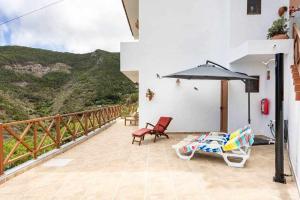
[37, 82]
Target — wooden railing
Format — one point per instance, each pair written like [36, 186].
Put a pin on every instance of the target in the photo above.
[296, 66]
[31, 138]
[126, 110]
[296, 36]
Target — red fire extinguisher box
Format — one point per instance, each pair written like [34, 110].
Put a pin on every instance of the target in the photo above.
[265, 106]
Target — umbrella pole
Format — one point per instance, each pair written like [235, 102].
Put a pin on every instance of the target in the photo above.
[249, 102]
[249, 108]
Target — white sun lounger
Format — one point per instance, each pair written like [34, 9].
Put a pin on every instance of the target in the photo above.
[237, 147]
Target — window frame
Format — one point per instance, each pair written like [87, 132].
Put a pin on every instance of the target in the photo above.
[257, 3]
[255, 84]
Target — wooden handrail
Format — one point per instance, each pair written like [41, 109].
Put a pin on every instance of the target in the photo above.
[296, 36]
[42, 134]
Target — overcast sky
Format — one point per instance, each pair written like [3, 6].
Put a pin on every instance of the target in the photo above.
[74, 25]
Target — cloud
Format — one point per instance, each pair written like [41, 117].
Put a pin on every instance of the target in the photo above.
[73, 25]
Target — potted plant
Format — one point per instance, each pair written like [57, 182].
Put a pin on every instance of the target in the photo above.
[278, 29]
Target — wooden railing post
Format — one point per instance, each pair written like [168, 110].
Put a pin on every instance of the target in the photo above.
[94, 120]
[58, 130]
[101, 117]
[104, 115]
[1, 150]
[108, 114]
[113, 112]
[35, 135]
[85, 123]
[119, 110]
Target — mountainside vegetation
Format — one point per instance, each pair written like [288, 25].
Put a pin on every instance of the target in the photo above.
[37, 82]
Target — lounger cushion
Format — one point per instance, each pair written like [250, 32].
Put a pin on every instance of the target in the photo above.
[162, 124]
[141, 132]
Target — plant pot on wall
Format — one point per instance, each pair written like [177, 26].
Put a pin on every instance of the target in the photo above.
[280, 37]
[282, 10]
[278, 30]
[149, 94]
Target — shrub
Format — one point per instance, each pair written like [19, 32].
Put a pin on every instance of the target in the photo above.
[279, 26]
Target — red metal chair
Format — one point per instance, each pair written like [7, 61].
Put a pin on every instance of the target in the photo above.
[157, 130]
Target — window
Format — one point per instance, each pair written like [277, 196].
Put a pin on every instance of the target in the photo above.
[252, 85]
[253, 7]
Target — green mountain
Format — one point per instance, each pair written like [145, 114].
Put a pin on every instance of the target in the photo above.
[37, 82]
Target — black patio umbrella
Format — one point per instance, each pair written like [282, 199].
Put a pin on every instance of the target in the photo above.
[213, 71]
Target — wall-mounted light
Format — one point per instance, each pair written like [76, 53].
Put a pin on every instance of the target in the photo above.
[195, 88]
[267, 63]
[178, 81]
[158, 76]
[149, 94]
[268, 74]
[137, 24]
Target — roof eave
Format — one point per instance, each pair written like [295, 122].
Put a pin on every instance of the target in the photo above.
[127, 18]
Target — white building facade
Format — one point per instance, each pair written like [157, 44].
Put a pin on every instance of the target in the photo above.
[174, 35]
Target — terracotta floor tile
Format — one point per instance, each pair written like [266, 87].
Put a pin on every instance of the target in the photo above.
[108, 166]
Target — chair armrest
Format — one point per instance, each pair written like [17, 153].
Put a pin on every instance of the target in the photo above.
[149, 124]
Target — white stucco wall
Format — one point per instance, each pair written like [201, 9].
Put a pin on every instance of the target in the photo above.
[294, 138]
[184, 36]
[252, 27]
[293, 117]
[129, 56]
[238, 98]
[177, 38]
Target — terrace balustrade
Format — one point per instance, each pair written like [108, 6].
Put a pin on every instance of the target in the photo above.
[24, 140]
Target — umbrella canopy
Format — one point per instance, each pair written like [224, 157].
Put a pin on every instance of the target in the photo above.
[209, 71]
[213, 71]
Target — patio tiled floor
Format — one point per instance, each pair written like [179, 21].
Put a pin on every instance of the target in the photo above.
[108, 167]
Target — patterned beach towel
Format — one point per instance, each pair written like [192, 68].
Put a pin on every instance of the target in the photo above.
[230, 141]
[244, 139]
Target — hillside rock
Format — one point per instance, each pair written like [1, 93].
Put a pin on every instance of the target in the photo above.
[37, 69]
[21, 84]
